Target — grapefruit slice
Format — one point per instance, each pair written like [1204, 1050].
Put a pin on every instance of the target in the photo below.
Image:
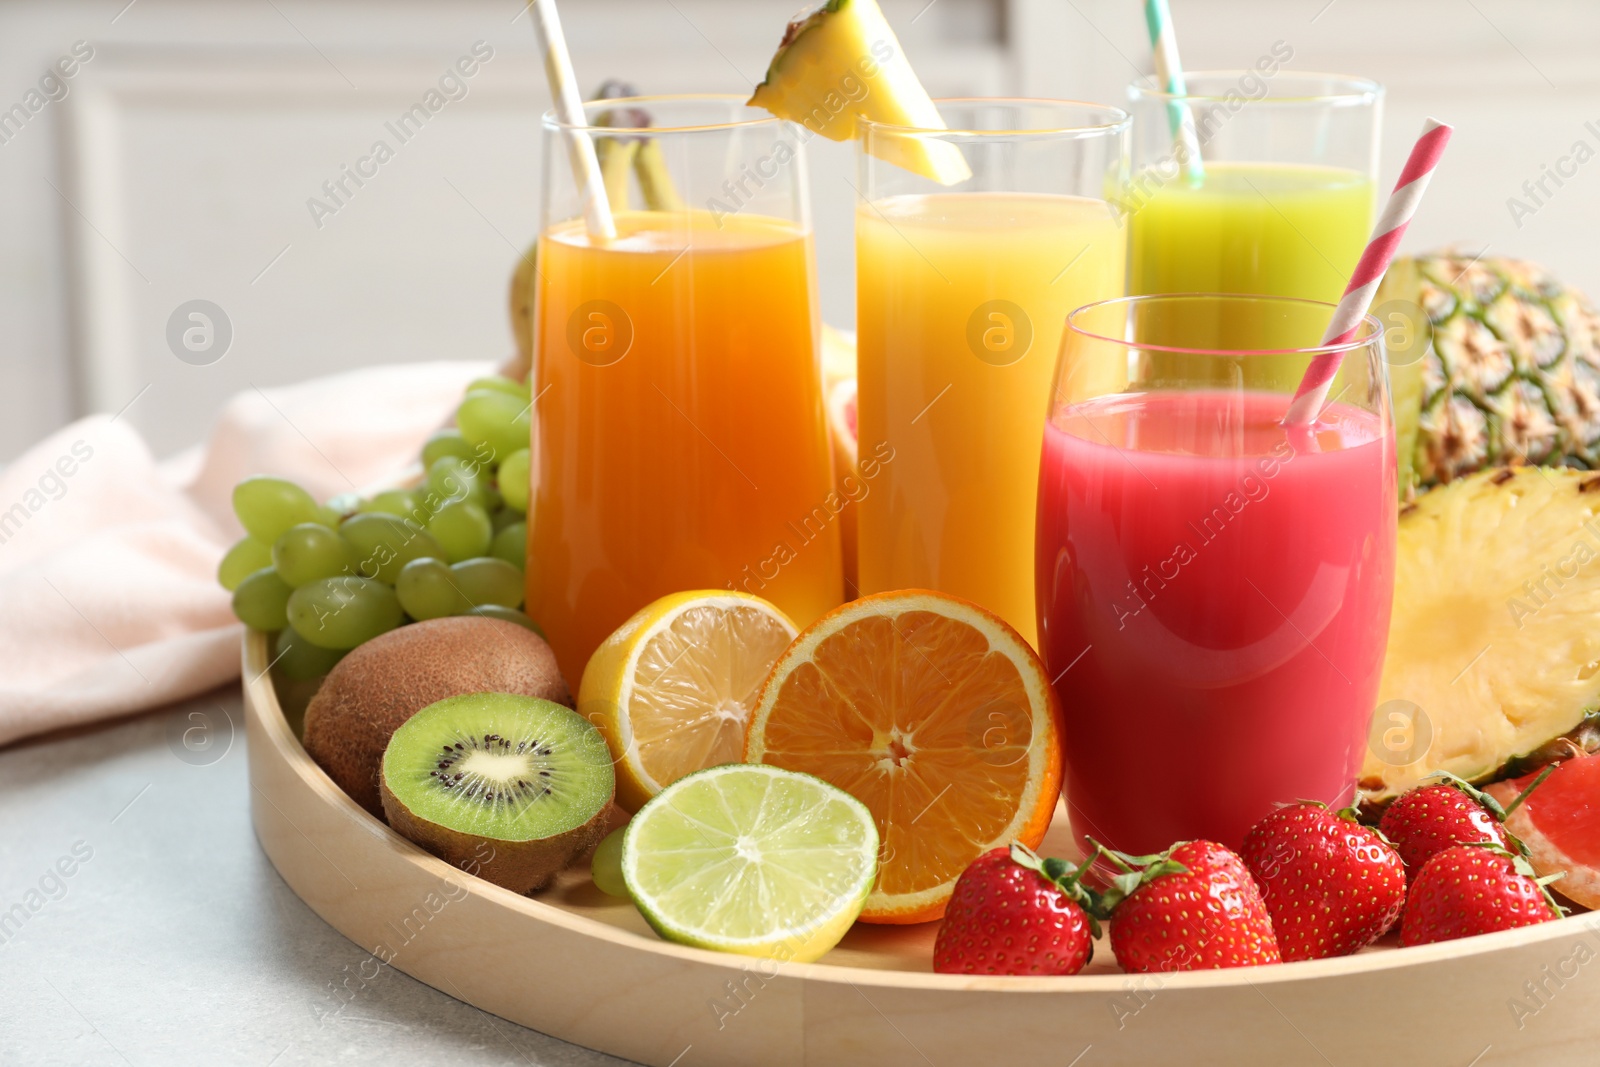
[847, 481]
[933, 713]
[838, 356]
[1560, 824]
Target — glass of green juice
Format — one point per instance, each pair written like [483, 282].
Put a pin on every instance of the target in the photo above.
[1280, 202]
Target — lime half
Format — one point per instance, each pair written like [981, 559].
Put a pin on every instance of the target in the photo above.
[751, 859]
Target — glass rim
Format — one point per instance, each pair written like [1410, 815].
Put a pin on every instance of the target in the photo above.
[1113, 112]
[1374, 327]
[551, 121]
[1351, 90]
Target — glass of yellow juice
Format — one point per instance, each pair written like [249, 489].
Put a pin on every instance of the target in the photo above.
[1280, 203]
[679, 436]
[961, 296]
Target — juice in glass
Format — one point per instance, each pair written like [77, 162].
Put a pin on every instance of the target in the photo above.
[679, 430]
[1281, 229]
[960, 302]
[1282, 205]
[1214, 593]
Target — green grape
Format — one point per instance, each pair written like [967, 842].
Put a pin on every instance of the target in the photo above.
[343, 612]
[328, 516]
[491, 499]
[269, 506]
[505, 614]
[310, 551]
[605, 866]
[446, 443]
[344, 505]
[514, 479]
[462, 529]
[511, 545]
[399, 502]
[382, 544]
[495, 419]
[503, 518]
[241, 561]
[453, 478]
[427, 590]
[295, 657]
[261, 600]
[503, 385]
[487, 580]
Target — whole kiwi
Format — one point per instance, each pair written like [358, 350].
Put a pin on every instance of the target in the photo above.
[384, 682]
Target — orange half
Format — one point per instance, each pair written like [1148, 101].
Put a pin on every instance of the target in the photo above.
[935, 714]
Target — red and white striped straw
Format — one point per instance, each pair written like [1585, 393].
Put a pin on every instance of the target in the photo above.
[1375, 259]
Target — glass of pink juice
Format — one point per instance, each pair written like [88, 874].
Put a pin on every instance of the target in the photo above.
[1213, 588]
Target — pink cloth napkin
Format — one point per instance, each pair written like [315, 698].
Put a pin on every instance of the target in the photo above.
[109, 602]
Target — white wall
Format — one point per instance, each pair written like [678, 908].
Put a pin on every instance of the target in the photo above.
[179, 165]
[1517, 80]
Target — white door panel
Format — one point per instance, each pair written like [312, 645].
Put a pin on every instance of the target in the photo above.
[179, 167]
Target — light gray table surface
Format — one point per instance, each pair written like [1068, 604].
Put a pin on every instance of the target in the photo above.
[175, 941]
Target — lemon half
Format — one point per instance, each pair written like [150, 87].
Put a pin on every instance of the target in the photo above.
[672, 689]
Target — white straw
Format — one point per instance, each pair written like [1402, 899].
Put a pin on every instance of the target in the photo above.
[569, 109]
[1370, 269]
[1169, 74]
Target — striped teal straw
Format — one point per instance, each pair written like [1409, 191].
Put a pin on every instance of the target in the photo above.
[1169, 73]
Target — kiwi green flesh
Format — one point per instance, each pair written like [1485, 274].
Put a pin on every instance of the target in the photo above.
[381, 684]
[512, 788]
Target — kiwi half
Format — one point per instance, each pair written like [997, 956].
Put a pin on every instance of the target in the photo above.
[381, 684]
[511, 788]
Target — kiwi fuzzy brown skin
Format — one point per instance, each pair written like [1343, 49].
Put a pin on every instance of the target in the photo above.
[384, 682]
[520, 866]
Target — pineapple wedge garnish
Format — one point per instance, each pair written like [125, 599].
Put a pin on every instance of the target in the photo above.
[1496, 628]
[840, 62]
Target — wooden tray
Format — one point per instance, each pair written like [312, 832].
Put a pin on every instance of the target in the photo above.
[585, 968]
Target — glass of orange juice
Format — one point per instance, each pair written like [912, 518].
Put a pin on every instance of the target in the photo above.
[961, 295]
[679, 435]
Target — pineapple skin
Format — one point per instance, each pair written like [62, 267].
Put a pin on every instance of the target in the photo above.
[1497, 586]
[1512, 376]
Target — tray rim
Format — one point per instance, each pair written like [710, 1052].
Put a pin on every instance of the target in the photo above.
[261, 705]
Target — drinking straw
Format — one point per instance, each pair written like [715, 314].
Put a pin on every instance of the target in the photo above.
[1169, 72]
[1375, 258]
[569, 109]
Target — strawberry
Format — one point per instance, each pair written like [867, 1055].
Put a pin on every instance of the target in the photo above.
[1431, 818]
[1191, 908]
[1331, 885]
[1014, 913]
[1474, 889]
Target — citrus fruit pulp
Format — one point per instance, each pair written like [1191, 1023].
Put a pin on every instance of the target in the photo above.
[750, 859]
[1560, 823]
[936, 715]
[672, 688]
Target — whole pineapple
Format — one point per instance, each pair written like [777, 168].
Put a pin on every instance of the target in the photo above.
[1512, 375]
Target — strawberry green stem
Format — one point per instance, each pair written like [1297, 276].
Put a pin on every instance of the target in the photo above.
[1065, 876]
[1137, 871]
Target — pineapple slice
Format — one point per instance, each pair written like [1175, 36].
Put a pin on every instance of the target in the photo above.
[839, 62]
[1497, 589]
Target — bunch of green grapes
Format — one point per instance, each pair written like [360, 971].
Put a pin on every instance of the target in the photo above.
[328, 577]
